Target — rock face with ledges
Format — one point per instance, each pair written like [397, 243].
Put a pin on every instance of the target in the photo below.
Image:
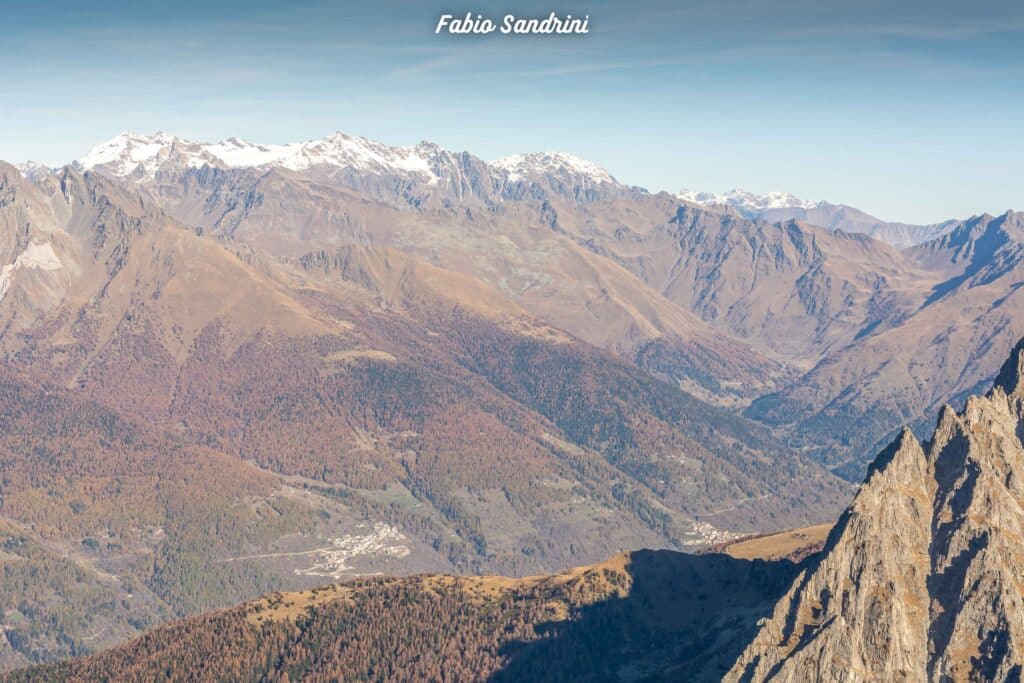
[923, 576]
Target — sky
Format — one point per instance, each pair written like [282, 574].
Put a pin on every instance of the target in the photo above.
[912, 111]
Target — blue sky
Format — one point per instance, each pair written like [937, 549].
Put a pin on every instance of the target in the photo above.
[909, 110]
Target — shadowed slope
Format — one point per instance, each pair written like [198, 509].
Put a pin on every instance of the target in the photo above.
[661, 615]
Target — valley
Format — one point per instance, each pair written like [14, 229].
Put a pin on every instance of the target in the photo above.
[786, 318]
[231, 369]
[372, 352]
[919, 579]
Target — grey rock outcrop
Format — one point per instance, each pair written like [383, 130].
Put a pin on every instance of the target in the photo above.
[923, 576]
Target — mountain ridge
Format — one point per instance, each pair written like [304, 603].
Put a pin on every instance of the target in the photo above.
[787, 320]
[137, 157]
[782, 206]
[920, 579]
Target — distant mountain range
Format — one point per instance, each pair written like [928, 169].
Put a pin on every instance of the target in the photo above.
[736, 303]
[137, 157]
[407, 359]
[782, 206]
[140, 157]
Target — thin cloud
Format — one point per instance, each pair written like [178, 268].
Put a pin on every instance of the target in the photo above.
[920, 31]
[571, 69]
[428, 66]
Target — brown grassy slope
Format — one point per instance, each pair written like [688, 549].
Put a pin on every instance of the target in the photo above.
[793, 544]
[659, 615]
[793, 291]
[535, 250]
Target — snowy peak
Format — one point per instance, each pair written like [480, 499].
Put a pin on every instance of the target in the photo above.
[34, 170]
[341, 149]
[552, 164]
[140, 156]
[747, 202]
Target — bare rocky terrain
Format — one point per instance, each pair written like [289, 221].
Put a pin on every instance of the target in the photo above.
[921, 577]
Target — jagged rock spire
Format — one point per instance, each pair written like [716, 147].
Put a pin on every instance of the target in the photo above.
[923, 577]
[1009, 377]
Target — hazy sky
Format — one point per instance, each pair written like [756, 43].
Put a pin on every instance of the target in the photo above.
[911, 110]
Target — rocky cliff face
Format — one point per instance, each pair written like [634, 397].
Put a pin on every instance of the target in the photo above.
[922, 578]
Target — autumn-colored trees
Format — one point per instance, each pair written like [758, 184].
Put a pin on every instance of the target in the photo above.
[660, 614]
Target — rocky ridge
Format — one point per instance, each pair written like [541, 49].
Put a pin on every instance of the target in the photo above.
[921, 579]
[782, 206]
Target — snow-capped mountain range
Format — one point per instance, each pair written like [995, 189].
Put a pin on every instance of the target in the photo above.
[139, 157]
[783, 206]
[371, 166]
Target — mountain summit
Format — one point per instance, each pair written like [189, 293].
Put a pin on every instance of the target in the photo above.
[565, 166]
[923, 576]
[783, 206]
[747, 203]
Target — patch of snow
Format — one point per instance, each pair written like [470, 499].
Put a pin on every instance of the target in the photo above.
[520, 166]
[40, 256]
[125, 154]
[238, 153]
[33, 170]
[747, 201]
